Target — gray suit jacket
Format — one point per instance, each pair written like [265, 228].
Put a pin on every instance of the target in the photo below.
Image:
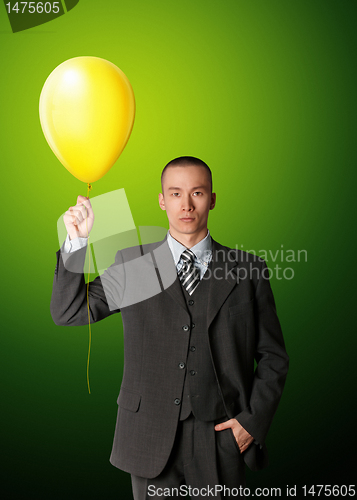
[242, 326]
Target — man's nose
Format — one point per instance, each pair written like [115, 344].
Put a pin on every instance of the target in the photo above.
[187, 204]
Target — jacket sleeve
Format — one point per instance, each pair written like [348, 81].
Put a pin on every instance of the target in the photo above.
[69, 292]
[272, 364]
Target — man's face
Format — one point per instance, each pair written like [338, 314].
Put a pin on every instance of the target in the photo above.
[187, 199]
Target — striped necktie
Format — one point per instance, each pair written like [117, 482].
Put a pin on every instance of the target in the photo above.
[189, 275]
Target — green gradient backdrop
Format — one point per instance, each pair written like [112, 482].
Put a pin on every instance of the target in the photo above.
[264, 92]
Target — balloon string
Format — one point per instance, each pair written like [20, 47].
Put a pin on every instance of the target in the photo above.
[90, 333]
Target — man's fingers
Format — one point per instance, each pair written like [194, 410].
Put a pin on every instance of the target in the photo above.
[70, 221]
[80, 211]
[245, 444]
[74, 216]
[243, 438]
[82, 200]
[223, 425]
[79, 218]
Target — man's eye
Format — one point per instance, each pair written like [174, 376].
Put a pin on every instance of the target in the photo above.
[197, 193]
[175, 194]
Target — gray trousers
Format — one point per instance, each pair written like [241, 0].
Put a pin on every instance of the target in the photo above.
[201, 458]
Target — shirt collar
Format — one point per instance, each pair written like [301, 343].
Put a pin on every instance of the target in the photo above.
[202, 249]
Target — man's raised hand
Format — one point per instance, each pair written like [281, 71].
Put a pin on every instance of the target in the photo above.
[79, 219]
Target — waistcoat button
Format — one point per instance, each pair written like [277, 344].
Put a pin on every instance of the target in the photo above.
[191, 302]
[177, 401]
[192, 348]
[192, 372]
[182, 365]
[185, 328]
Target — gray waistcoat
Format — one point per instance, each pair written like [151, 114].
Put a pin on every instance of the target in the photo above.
[200, 392]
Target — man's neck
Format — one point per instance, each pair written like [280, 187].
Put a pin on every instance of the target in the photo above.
[189, 240]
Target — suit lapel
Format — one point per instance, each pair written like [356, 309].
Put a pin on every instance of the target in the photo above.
[222, 278]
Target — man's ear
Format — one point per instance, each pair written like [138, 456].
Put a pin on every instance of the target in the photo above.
[161, 201]
[213, 201]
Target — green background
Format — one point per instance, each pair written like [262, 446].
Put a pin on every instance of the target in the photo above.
[264, 92]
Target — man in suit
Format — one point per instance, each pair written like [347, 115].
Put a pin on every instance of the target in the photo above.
[192, 411]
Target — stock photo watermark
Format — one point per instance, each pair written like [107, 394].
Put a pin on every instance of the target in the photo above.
[118, 256]
[219, 490]
[26, 15]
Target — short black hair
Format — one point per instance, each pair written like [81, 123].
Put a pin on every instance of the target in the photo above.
[187, 161]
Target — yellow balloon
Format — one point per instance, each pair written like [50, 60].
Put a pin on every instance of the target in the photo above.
[87, 110]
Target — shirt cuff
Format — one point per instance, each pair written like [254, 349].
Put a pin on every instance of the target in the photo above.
[75, 244]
